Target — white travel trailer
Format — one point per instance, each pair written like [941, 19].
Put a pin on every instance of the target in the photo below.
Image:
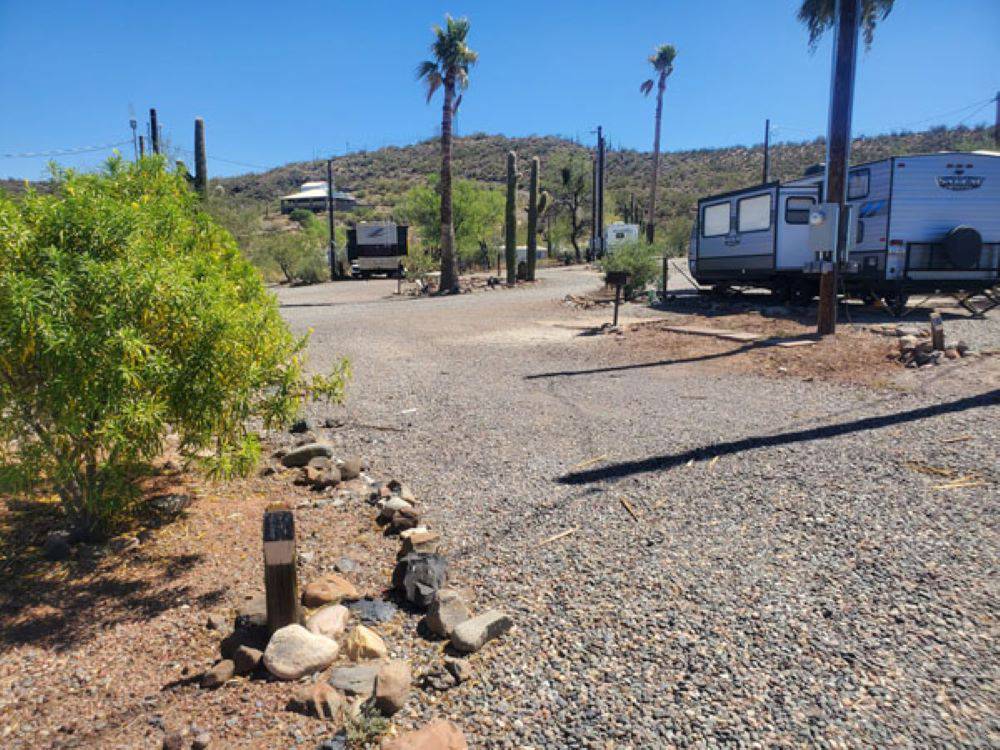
[928, 222]
[619, 234]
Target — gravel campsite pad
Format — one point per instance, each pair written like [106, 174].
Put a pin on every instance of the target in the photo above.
[693, 551]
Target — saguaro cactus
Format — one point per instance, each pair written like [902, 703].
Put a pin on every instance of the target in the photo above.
[510, 233]
[532, 220]
[200, 161]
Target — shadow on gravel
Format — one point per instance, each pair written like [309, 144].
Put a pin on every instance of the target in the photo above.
[670, 460]
[643, 365]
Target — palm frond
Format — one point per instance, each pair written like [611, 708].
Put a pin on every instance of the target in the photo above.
[646, 86]
[663, 58]
[820, 15]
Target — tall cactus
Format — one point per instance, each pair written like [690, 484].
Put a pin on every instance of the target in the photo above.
[510, 230]
[532, 220]
[200, 161]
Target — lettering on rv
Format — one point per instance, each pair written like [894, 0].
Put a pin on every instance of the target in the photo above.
[960, 182]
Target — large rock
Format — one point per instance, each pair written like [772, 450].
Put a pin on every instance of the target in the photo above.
[404, 519]
[302, 455]
[392, 686]
[350, 468]
[419, 576]
[295, 652]
[447, 611]
[473, 634]
[420, 540]
[389, 507]
[437, 735]
[252, 611]
[329, 589]
[219, 674]
[330, 621]
[317, 698]
[357, 680]
[246, 659]
[373, 610]
[363, 643]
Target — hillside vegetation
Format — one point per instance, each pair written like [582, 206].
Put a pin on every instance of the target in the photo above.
[379, 178]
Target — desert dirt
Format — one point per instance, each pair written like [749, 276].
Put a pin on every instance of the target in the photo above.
[699, 541]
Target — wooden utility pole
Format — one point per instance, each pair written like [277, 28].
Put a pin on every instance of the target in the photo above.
[329, 219]
[767, 149]
[281, 587]
[600, 189]
[838, 151]
[200, 159]
[593, 213]
[154, 132]
[142, 146]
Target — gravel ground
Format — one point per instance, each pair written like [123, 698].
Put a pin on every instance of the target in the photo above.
[795, 573]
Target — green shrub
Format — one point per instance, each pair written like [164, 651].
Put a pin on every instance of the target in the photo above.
[302, 216]
[298, 256]
[127, 313]
[640, 260]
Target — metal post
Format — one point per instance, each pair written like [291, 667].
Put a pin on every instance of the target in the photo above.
[329, 219]
[767, 143]
[154, 132]
[618, 301]
[142, 146]
[666, 276]
[996, 124]
[838, 147]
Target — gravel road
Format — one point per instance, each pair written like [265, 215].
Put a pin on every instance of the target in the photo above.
[794, 573]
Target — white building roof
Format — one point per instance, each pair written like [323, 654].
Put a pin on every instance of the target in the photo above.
[316, 190]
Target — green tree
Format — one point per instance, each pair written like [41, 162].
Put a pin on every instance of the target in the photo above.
[448, 70]
[820, 15]
[662, 61]
[127, 312]
[477, 215]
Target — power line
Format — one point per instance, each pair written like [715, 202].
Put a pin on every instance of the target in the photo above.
[64, 151]
[973, 114]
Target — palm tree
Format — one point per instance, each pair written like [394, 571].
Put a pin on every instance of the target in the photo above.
[820, 15]
[662, 61]
[448, 70]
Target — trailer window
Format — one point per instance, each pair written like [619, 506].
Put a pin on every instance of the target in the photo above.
[716, 220]
[857, 184]
[797, 210]
[753, 214]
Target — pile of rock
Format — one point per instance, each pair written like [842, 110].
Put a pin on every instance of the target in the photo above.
[338, 629]
[917, 351]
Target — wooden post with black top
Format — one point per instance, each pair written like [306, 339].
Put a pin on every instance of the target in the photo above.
[280, 583]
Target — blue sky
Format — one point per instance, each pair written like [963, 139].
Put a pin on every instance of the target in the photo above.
[279, 82]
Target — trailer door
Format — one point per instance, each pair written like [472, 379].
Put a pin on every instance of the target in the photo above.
[794, 204]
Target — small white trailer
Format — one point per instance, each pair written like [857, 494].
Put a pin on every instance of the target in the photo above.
[920, 223]
[619, 234]
[377, 247]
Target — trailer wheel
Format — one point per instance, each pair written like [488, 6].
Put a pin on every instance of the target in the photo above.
[896, 302]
